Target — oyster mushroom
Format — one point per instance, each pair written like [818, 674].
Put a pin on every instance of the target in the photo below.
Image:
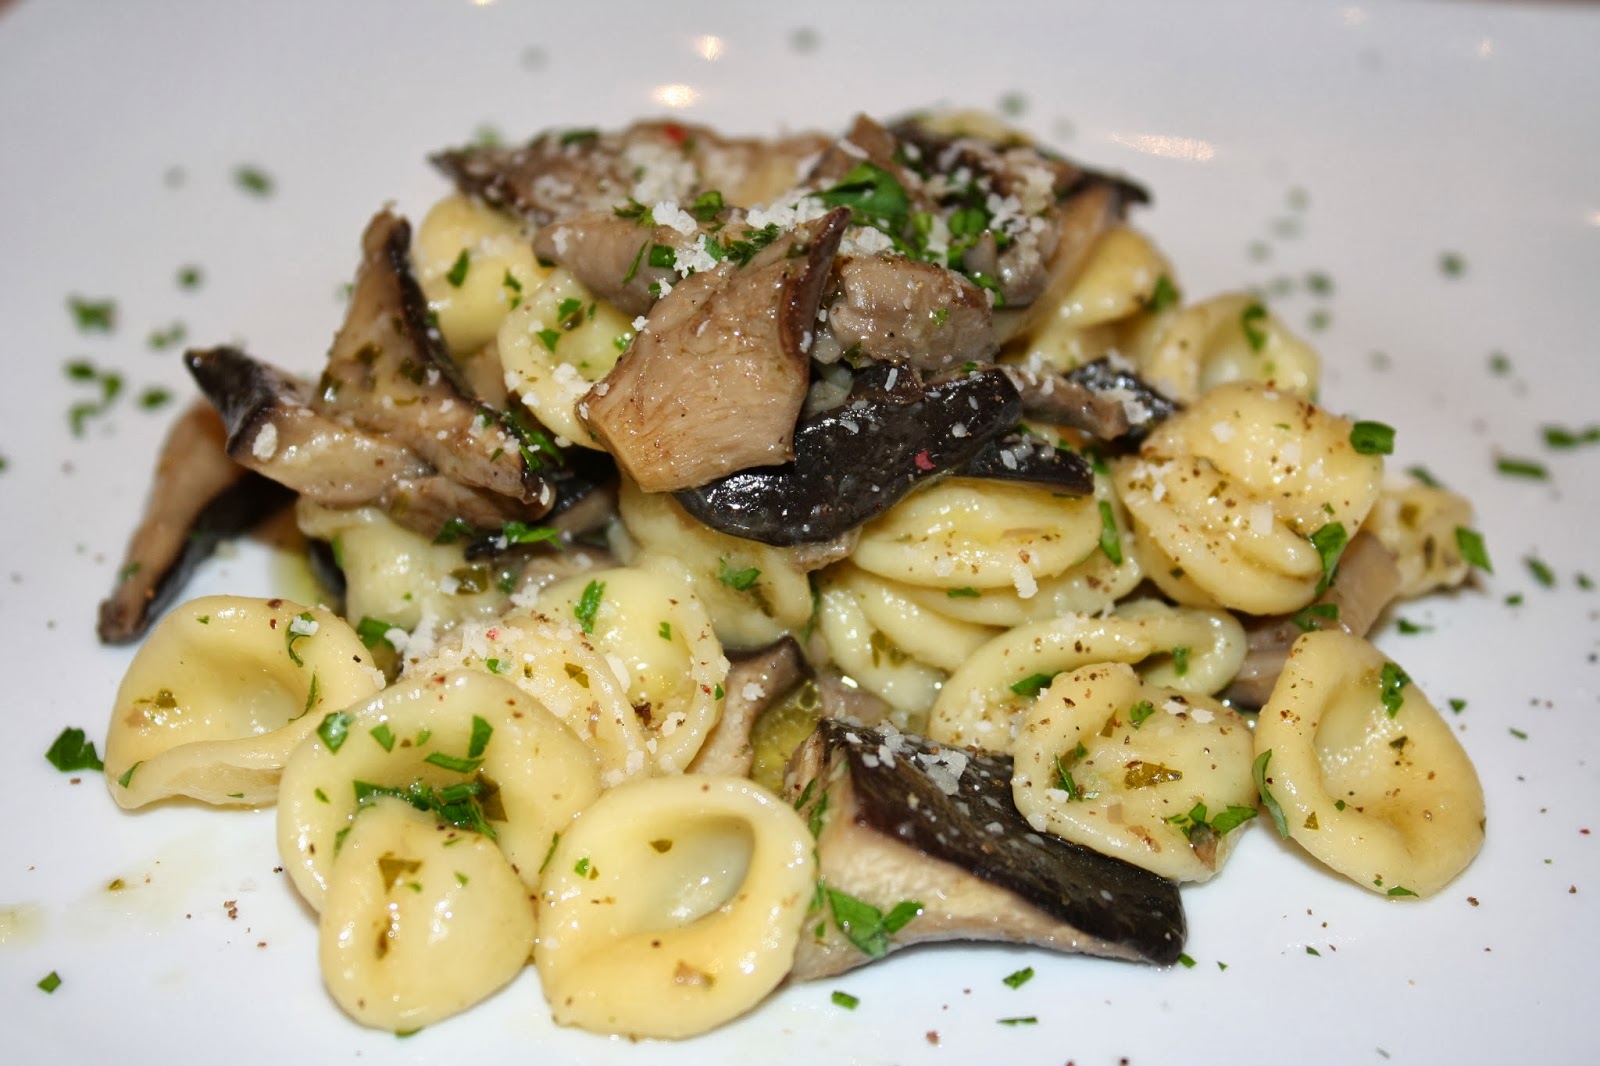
[615, 257]
[715, 380]
[1103, 400]
[919, 842]
[756, 680]
[198, 497]
[901, 310]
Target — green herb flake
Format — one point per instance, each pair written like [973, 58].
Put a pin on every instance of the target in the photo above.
[334, 729]
[375, 631]
[1032, 685]
[1252, 320]
[965, 592]
[1391, 686]
[1180, 661]
[1139, 712]
[73, 751]
[1309, 618]
[1559, 437]
[1110, 539]
[1028, 1019]
[865, 926]
[190, 277]
[706, 206]
[1470, 543]
[873, 195]
[457, 274]
[1372, 438]
[1457, 704]
[1399, 890]
[322, 797]
[453, 762]
[588, 604]
[738, 580]
[1519, 734]
[664, 631]
[93, 316]
[845, 1000]
[161, 339]
[127, 775]
[154, 397]
[662, 256]
[1186, 961]
[253, 180]
[581, 867]
[1406, 627]
[1162, 296]
[549, 338]
[1258, 770]
[50, 982]
[1423, 475]
[1018, 978]
[1541, 571]
[1313, 951]
[1451, 264]
[301, 626]
[1330, 542]
[479, 740]
[383, 735]
[1524, 468]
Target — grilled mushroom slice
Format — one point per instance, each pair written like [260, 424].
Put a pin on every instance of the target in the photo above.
[855, 460]
[715, 380]
[919, 843]
[615, 257]
[199, 496]
[901, 310]
[756, 681]
[1104, 400]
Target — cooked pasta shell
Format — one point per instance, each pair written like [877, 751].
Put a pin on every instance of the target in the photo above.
[421, 921]
[1370, 779]
[222, 691]
[474, 265]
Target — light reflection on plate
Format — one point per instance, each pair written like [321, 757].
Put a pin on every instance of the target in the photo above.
[1358, 144]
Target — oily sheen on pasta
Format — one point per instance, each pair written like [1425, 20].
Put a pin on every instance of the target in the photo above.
[983, 545]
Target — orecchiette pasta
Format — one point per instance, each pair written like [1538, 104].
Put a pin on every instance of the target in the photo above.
[673, 905]
[1230, 497]
[1148, 774]
[474, 265]
[420, 921]
[1369, 778]
[1188, 352]
[222, 691]
[555, 345]
[469, 747]
[961, 534]
[755, 593]
[1418, 525]
[983, 700]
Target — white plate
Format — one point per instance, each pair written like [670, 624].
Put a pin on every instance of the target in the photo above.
[1412, 131]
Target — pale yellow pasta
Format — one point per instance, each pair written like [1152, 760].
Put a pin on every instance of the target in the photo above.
[1418, 524]
[463, 730]
[983, 701]
[470, 298]
[754, 592]
[395, 575]
[658, 639]
[673, 905]
[220, 693]
[869, 657]
[1116, 282]
[555, 345]
[1380, 791]
[421, 920]
[1107, 760]
[1226, 495]
[960, 533]
[1232, 337]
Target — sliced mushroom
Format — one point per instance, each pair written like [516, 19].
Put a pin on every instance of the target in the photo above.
[855, 460]
[388, 372]
[614, 256]
[756, 680]
[198, 497]
[562, 172]
[716, 379]
[273, 430]
[932, 831]
[901, 310]
[1103, 400]
[1366, 583]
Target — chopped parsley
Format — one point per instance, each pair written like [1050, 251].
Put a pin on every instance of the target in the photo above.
[1470, 544]
[1180, 661]
[301, 626]
[1558, 437]
[375, 631]
[50, 982]
[1524, 468]
[1400, 890]
[1457, 704]
[190, 276]
[1163, 296]
[1330, 541]
[964, 592]
[1252, 320]
[153, 397]
[1258, 770]
[1018, 978]
[93, 316]
[845, 1000]
[1423, 475]
[519, 533]
[465, 805]
[1451, 264]
[665, 631]
[457, 273]
[1110, 539]
[549, 338]
[1406, 627]
[383, 735]
[1372, 438]
[1541, 571]
[706, 206]
[865, 926]
[334, 729]
[1308, 618]
[875, 198]
[1391, 687]
[1139, 712]
[1028, 1019]
[588, 603]
[73, 751]
[738, 580]
[663, 256]
[253, 180]
[127, 775]
[1032, 685]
